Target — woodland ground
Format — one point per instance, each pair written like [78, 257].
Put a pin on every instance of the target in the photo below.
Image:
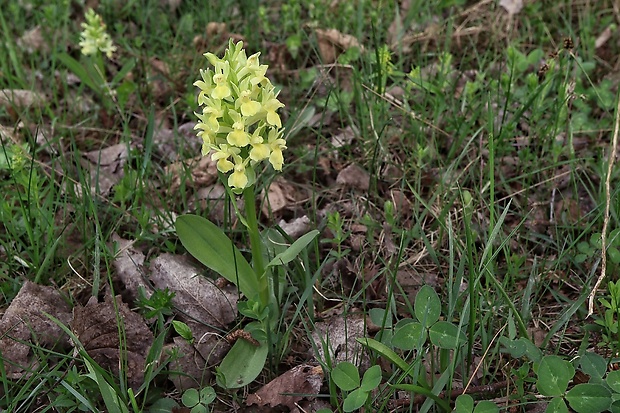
[461, 145]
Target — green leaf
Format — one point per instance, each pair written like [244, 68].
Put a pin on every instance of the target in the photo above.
[293, 251]
[410, 336]
[209, 245]
[486, 406]
[80, 71]
[346, 376]
[614, 254]
[446, 335]
[190, 398]
[556, 405]
[427, 306]
[207, 395]
[183, 330]
[386, 352]
[515, 348]
[589, 398]
[554, 373]
[108, 393]
[372, 378]
[355, 400]
[613, 380]
[242, 364]
[464, 404]
[593, 365]
[164, 405]
[379, 317]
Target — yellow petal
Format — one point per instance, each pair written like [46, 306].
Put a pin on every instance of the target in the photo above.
[238, 138]
[250, 108]
[276, 159]
[238, 179]
[259, 152]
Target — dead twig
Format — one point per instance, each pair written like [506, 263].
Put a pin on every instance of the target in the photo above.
[612, 158]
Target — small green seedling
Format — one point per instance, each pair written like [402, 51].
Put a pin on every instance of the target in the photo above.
[465, 404]
[198, 401]
[346, 376]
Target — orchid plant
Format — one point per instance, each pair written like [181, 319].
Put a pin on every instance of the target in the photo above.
[95, 44]
[241, 130]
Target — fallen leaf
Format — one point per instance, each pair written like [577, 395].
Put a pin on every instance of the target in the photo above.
[604, 36]
[21, 98]
[332, 43]
[280, 194]
[24, 321]
[129, 266]
[33, 41]
[297, 227]
[345, 137]
[354, 176]
[338, 335]
[196, 297]
[191, 369]
[511, 6]
[288, 389]
[106, 167]
[96, 326]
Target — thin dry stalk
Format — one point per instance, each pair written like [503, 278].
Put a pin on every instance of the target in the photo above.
[612, 158]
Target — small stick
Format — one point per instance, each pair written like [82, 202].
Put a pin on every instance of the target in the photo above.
[612, 158]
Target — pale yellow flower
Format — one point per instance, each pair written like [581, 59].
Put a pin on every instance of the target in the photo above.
[222, 154]
[94, 38]
[277, 145]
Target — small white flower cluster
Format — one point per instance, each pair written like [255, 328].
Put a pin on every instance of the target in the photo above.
[239, 122]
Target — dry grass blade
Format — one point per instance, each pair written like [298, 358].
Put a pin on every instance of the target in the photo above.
[612, 158]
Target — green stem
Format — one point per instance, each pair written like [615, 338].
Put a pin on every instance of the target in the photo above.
[255, 241]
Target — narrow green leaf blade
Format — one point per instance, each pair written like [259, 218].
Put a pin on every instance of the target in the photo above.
[209, 245]
[293, 251]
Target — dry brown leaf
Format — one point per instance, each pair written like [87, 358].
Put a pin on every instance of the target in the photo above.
[332, 43]
[25, 321]
[511, 6]
[195, 296]
[203, 172]
[215, 29]
[345, 137]
[194, 366]
[604, 37]
[297, 227]
[396, 31]
[338, 335]
[128, 265]
[106, 167]
[33, 41]
[279, 195]
[354, 176]
[96, 326]
[21, 98]
[288, 389]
